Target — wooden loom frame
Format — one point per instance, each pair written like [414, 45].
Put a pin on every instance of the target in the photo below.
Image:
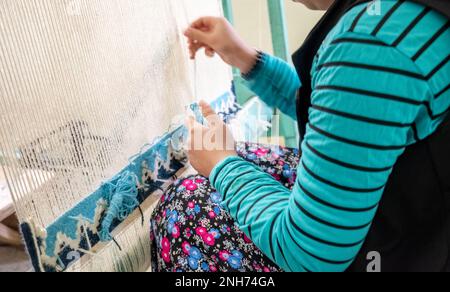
[8, 235]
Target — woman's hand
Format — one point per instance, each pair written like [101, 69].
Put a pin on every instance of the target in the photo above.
[216, 35]
[209, 145]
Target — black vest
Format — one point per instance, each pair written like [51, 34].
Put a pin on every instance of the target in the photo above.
[411, 230]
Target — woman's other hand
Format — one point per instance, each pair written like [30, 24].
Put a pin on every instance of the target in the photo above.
[216, 35]
[211, 144]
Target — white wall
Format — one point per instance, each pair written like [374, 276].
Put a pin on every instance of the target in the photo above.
[252, 22]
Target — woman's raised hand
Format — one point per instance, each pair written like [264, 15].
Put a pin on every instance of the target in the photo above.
[216, 35]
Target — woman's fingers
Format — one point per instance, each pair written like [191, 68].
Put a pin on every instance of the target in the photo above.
[196, 130]
[207, 110]
[204, 22]
[194, 47]
[210, 52]
[197, 35]
[209, 114]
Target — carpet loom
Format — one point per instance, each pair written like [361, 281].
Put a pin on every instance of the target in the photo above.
[92, 93]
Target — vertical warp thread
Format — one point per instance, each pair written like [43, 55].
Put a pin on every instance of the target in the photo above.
[81, 66]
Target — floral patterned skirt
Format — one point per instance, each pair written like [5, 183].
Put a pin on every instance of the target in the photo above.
[191, 233]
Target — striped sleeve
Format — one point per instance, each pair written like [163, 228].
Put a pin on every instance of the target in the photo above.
[276, 83]
[376, 92]
[357, 131]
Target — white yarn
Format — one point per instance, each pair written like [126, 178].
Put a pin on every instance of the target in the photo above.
[83, 85]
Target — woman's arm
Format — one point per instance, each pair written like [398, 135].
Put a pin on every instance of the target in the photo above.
[276, 83]
[273, 80]
[355, 136]
[369, 102]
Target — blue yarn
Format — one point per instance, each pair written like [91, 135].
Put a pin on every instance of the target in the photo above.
[151, 161]
[122, 194]
[196, 110]
[162, 150]
[133, 158]
[80, 217]
[179, 137]
[122, 200]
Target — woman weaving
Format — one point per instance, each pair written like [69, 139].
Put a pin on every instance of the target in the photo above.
[371, 95]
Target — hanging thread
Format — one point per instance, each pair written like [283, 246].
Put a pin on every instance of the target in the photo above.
[72, 111]
[123, 200]
[198, 115]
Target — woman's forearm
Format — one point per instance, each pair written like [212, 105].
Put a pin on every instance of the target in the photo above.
[273, 80]
[276, 83]
[244, 59]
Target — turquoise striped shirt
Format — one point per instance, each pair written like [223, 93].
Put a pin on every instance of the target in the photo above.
[380, 83]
